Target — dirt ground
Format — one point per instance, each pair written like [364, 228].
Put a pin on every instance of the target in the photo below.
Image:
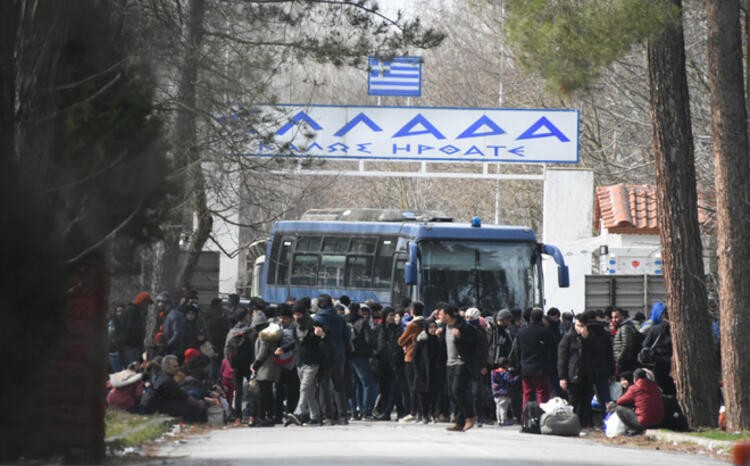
[642, 441]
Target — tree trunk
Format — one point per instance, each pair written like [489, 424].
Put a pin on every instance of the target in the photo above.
[730, 146]
[695, 363]
[186, 144]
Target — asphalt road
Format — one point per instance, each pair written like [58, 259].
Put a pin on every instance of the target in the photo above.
[382, 443]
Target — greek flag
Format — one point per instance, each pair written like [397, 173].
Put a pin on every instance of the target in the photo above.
[401, 76]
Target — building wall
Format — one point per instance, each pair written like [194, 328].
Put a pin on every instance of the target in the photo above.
[568, 221]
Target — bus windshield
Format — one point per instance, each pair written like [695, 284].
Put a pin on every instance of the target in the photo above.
[489, 275]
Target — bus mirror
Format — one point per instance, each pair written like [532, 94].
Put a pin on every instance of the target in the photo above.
[410, 269]
[563, 278]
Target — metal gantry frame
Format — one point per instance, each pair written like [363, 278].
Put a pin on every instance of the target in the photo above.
[423, 172]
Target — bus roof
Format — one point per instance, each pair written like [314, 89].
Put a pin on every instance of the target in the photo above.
[416, 231]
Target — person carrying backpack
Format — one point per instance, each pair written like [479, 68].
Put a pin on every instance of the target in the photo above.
[238, 350]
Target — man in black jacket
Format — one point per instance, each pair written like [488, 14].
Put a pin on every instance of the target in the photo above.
[465, 361]
[581, 360]
[134, 328]
[534, 353]
[309, 352]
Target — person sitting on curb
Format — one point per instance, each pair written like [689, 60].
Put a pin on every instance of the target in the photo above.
[641, 406]
[173, 400]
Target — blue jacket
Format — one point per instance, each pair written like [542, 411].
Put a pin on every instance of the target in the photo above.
[174, 331]
[336, 329]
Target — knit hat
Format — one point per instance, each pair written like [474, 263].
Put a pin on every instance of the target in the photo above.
[504, 314]
[190, 353]
[473, 313]
[142, 298]
[285, 310]
[259, 319]
[301, 306]
[163, 297]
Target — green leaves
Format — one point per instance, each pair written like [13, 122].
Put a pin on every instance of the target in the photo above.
[569, 42]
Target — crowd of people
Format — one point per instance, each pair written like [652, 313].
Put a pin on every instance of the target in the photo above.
[313, 362]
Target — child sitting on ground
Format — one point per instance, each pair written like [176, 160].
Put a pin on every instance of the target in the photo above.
[502, 381]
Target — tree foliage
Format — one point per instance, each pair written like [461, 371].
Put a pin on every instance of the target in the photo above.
[82, 167]
[587, 36]
[243, 49]
[569, 42]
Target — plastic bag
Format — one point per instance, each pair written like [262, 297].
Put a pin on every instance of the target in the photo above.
[556, 405]
[613, 425]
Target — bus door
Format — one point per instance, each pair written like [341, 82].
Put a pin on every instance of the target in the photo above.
[399, 289]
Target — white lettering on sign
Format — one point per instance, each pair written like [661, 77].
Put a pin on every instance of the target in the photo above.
[419, 133]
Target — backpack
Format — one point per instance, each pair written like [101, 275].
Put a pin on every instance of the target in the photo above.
[531, 418]
[638, 338]
[239, 351]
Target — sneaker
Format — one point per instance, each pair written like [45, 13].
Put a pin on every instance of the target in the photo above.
[313, 423]
[426, 420]
[407, 418]
[368, 418]
[291, 418]
[267, 423]
[343, 421]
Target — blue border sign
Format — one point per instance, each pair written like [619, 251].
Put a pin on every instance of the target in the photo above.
[418, 133]
[401, 76]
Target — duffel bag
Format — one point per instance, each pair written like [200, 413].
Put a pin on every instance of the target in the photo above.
[560, 423]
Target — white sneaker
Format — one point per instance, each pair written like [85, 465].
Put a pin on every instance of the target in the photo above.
[407, 418]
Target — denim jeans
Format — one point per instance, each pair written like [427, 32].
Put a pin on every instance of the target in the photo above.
[363, 371]
[114, 361]
[130, 354]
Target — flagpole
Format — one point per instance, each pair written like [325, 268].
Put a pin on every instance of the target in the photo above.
[500, 105]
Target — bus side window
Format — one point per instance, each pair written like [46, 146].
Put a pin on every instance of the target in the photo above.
[384, 263]
[359, 271]
[304, 269]
[331, 271]
[335, 244]
[283, 254]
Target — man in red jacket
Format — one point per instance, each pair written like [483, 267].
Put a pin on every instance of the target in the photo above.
[647, 405]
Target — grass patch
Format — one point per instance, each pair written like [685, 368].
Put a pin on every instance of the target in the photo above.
[119, 422]
[144, 435]
[718, 434]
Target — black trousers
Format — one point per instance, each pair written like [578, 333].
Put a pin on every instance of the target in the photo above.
[580, 394]
[459, 379]
[265, 402]
[414, 405]
[239, 376]
[287, 388]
